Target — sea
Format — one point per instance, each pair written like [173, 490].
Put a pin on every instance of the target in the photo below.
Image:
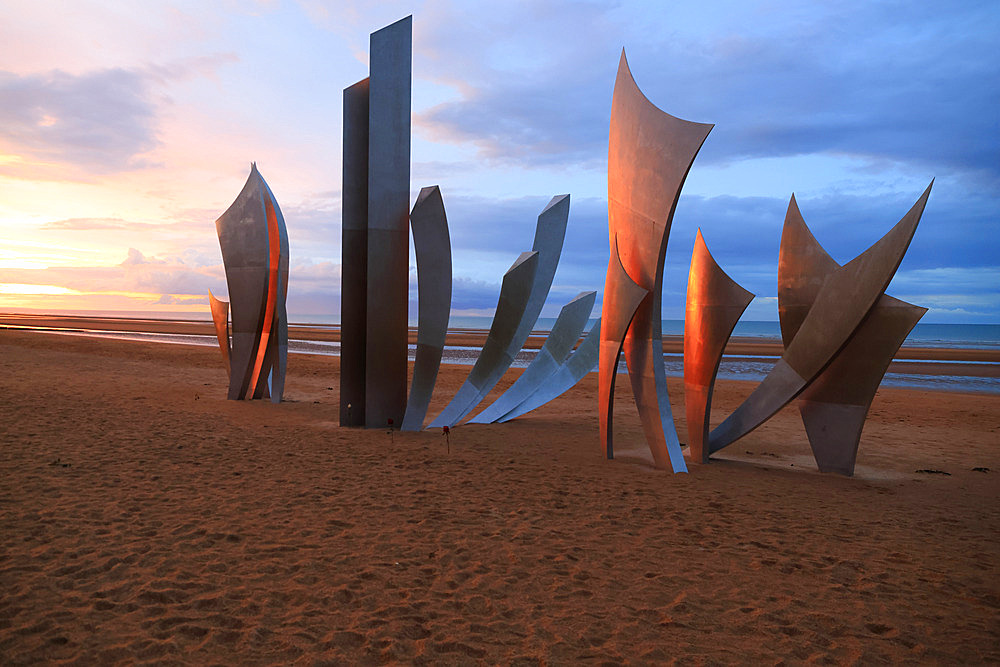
[931, 335]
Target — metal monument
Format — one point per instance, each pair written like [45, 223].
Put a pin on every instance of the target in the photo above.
[493, 362]
[715, 303]
[432, 246]
[835, 405]
[840, 332]
[558, 344]
[376, 234]
[649, 155]
[515, 291]
[254, 246]
[574, 369]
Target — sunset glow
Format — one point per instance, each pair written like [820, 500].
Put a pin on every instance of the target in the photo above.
[126, 131]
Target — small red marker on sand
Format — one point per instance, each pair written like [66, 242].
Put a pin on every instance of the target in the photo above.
[447, 437]
[392, 437]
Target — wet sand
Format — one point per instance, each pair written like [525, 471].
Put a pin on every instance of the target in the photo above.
[144, 518]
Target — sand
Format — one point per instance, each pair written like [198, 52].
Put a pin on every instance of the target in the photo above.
[144, 518]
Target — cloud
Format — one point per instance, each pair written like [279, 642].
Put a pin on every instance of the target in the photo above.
[883, 80]
[91, 224]
[97, 122]
[102, 121]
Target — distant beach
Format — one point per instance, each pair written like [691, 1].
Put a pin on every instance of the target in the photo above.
[942, 357]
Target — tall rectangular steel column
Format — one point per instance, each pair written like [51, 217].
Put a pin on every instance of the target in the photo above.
[354, 256]
[390, 64]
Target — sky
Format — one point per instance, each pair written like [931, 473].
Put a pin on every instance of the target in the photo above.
[126, 129]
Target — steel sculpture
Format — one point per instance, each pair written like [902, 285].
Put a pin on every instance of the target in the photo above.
[622, 299]
[558, 344]
[354, 256]
[550, 232]
[842, 302]
[715, 303]
[649, 155]
[835, 405]
[386, 335]
[220, 317]
[376, 237]
[432, 246]
[514, 293]
[583, 361]
[255, 253]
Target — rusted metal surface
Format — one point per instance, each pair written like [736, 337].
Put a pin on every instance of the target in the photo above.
[558, 344]
[649, 155]
[254, 246]
[842, 302]
[715, 303]
[432, 245]
[390, 62]
[514, 293]
[220, 317]
[354, 256]
[835, 404]
[622, 297]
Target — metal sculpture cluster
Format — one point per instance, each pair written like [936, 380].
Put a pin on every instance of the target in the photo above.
[840, 332]
[839, 329]
[649, 155]
[255, 253]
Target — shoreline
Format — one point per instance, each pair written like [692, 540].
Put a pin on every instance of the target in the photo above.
[737, 347]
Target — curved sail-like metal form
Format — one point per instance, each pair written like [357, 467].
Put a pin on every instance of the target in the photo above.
[432, 245]
[835, 405]
[845, 298]
[581, 362]
[255, 253]
[220, 317]
[550, 232]
[649, 155]
[514, 293]
[621, 300]
[715, 303]
[558, 344]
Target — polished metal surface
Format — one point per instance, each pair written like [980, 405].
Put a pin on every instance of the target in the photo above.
[514, 293]
[558, 344]
[574, 369]
[621, 300]
[550, 232]
[388, 223]
[220, 317]
[715, 303]
[649, 155]
[255, 254]
[835, 404]
[354, 256]
[432, 245]
[842, 302]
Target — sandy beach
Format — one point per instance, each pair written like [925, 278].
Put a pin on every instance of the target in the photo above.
[144, 518]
